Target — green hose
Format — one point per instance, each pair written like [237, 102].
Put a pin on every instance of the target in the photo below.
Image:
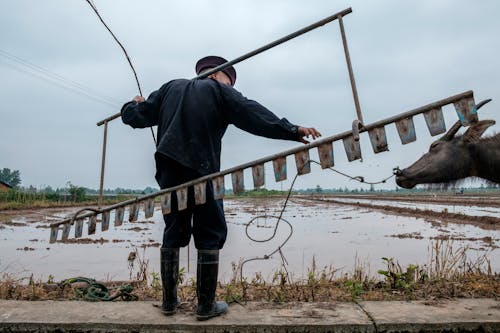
[95, 291]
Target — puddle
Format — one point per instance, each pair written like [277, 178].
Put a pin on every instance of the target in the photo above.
[334, 234]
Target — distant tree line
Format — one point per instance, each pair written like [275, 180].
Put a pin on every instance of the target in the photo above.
[11, 177]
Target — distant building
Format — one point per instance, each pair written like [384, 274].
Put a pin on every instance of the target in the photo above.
[4, 187]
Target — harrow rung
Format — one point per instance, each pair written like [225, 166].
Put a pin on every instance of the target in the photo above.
[279, 166]
[54, 230]
[302, 162]
[406, 130]
[325, 153]
[92, 225]
[238, 182]
[435, 121]
[378, 139]
[149, 208]
[218, 185]
[182, 198]
[200, 193]
[65, 231]
[78, 228]
[166, 203]
[352, 148]
[105, 221]
[133, 212]
[466, 110]
[258, 175]
[119, 215]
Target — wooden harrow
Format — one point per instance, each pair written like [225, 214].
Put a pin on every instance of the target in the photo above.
[433, 115]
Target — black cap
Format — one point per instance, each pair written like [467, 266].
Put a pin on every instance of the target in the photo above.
[214, 61]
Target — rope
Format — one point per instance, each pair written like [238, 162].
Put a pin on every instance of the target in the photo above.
[280, 218]
[95, 291]
[360, 179]
[94, 8]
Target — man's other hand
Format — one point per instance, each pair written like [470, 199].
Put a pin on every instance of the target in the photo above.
[139, 99]
[308, 132]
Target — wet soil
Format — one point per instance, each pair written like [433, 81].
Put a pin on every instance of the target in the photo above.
[484, 222]
[458, 199]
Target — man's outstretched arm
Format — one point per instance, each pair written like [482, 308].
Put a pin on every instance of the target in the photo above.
[254, 118]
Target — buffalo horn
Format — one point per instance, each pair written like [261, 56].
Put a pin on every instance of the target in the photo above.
[452, 131]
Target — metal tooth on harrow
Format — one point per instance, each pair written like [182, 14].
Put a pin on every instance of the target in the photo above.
[78, 228]
[406, 130]
[182, 198]
[258, 175]
[466, 111]
[218, 185]
[200, 193]
[279, 166]
[119, 214]
[352, 148]
[54, 230]
[302, 161]
[238, 182]
[65, 231]
[435, 121]
[325, 152]
[105, 221]
[133, 213]
[166, 203]
[92, 225]
[378, 139]
[149, 208]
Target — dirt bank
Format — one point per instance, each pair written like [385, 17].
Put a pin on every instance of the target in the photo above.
[458, 200]
[484, 222]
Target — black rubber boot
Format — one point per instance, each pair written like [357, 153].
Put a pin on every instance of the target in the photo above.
[169, 277]
[206, 284]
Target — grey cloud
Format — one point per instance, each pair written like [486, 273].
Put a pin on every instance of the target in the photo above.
[405, 54]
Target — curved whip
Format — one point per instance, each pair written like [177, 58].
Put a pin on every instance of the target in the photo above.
[94, 8]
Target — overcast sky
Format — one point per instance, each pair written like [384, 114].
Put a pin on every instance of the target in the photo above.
[405, 54]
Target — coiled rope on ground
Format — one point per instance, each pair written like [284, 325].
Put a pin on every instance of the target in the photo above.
[94, 291]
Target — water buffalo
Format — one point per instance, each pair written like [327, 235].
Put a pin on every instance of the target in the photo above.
[452, 158]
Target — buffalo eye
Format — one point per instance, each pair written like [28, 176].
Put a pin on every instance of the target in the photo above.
[434, 145]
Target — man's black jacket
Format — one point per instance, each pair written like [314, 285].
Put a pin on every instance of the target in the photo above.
[192, 116]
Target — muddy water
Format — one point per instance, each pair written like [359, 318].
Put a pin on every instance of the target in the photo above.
[458, 209]
[334, 235]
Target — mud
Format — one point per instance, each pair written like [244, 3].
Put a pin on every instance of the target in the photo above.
[458, 199]
[484, 222]
[84, 241]
[487, 240]
[137, 229]
[414, 235]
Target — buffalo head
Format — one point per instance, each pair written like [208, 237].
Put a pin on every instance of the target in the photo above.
[449, 158]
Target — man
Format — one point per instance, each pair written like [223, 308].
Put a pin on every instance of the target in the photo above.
[192, 117]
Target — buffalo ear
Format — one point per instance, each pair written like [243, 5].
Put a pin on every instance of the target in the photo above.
[475, 131]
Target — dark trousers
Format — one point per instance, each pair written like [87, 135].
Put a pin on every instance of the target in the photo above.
[205, 222]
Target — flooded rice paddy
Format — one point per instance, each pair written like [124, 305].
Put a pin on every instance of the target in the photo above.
[337, 236]
[450, 208]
